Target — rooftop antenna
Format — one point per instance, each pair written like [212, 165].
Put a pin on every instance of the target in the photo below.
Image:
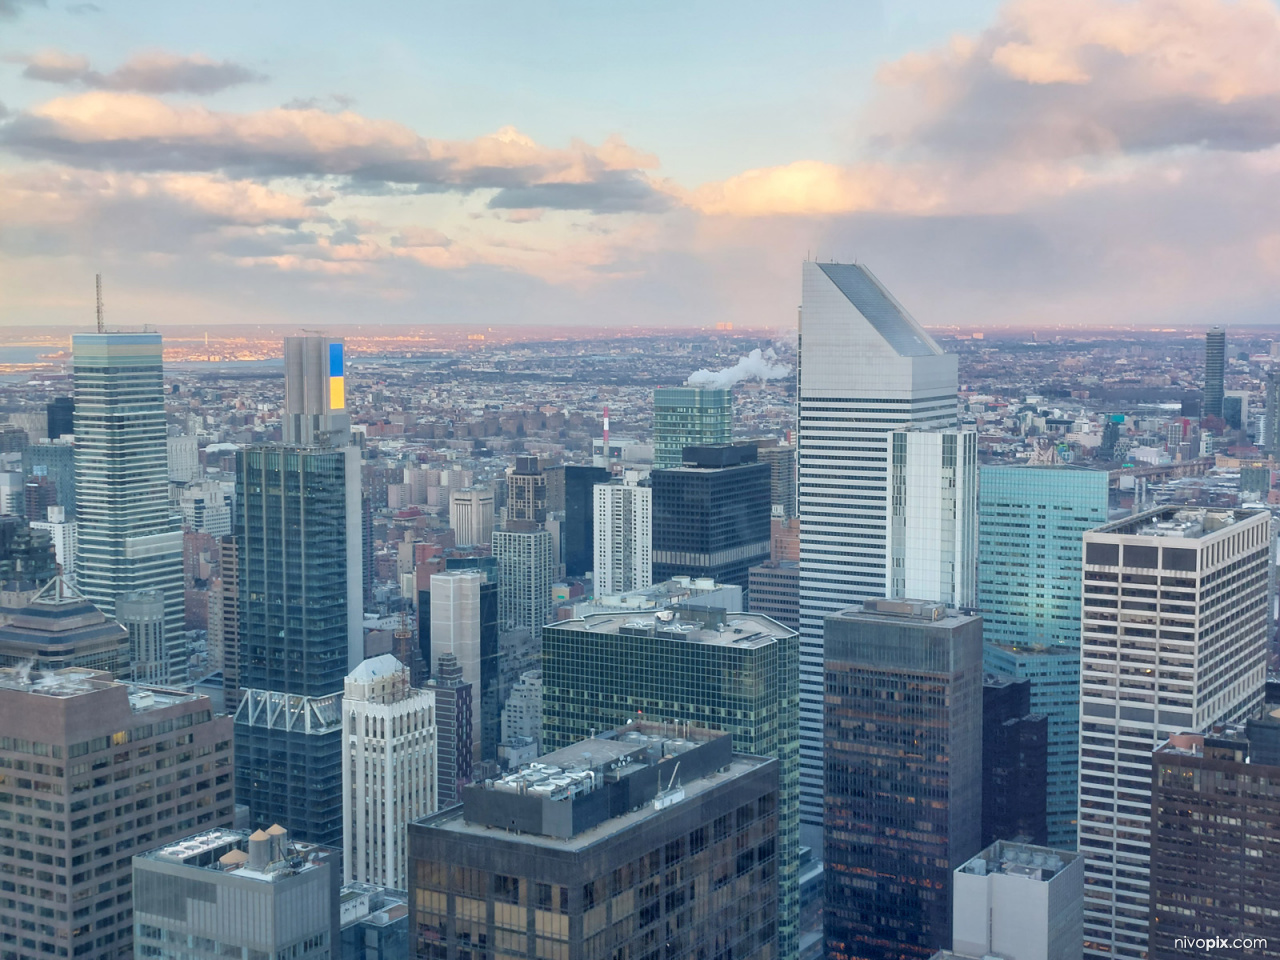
[98, 280]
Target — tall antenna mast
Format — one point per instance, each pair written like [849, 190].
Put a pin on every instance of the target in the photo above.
[99, 284]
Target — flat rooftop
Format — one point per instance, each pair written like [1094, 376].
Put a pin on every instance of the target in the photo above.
[223, 850]
[689, 624]
[454, 823]
[1024, 860]
[904, 612]
[79, 681]
[1185, 523]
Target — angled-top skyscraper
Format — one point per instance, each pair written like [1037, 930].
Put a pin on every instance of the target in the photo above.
[867, 368]
[301, 599]
[130, 540]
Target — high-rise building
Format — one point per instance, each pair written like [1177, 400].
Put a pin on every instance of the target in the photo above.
[689, 417]
[903, 721]
[54, 460]
[65, 535]
[471, 516]
[60, 414]
[1018, 901]
[933, 534]
[579, 517]
[141, 613]
[85, 743]
[1014, 762]
[711, 515]
[696, 664]
[617, 853]
[184, 459]
[1215, 804]
[1032, 522]
[453, 729]
[526, 495]
[867, 368]
[623, 535]
[129, 538]
[464, 622]
[59, 628]
[522, 713]
[231, 893]
[224, 619]
[1215, 356]
[1173, 637]
[775, 591]
[388, 769]
[781, 459]
[1271, 433]
[208, 507]
[526, 571]
[300, 599]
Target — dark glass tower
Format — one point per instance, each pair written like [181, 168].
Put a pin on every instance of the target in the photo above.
[903, 722]
[579, 517]
[59, 413]
[300, 550]
[1014, 763]
[1215, 355]
[711, 516]
[453, 729]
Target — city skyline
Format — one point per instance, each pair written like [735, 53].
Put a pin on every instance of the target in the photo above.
[232, 166]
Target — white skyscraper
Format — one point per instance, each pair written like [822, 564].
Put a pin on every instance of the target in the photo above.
[388, 769]
[464, 622]
[184, 459]
[1173, 638]
[867, 368]
[526, 569]
[471, 516]
[623, 535]
[66, 540]
[934, 535]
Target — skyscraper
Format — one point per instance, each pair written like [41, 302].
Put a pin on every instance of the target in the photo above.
[463, 617]
[867, 368]
[59, 628]
[90, 796]
[526, 570]
[1032, 522]
[388, 769]
[711, 515]
[300, 604]
[1215, 356]
[623, 535]
[933, 534]
[453, 729]
[471, 515]
[129, 538]
[1174, 637]
[903, 723]
[526, 495]
[781, 458]
[698, 664]
[689, 417]
[617, 854]
[1215, 803]
[1014, 762]
[1271, 435]
[60, 414]
[579, 517]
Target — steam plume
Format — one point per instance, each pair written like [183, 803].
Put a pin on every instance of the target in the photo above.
[754, 366]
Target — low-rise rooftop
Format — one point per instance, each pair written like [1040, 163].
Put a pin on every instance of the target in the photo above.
[688, 623]
[1023, 860]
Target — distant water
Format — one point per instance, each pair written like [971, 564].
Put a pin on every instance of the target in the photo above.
[24, 354]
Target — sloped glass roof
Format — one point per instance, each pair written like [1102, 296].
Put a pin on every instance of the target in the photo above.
[900, 331]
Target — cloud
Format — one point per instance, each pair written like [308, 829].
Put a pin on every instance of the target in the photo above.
[333, 103]
[155, 72]
[134, 132]
[83, 9]
[10, 9]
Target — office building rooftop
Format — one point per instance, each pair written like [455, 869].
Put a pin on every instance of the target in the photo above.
[689, 623]
[77, 681]
[267, 856]
[1188, 523]
[1019, 860]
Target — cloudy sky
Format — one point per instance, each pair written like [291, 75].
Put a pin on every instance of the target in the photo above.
[1036, 162]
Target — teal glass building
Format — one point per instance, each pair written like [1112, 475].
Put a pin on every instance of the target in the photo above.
[737, 672]
[1031, 524]
[689, 417]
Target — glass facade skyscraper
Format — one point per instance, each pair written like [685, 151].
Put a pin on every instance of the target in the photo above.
[903, 775]
[735, 672]
[301, 629]
[689, 417]
[129, 538]
[1215, 361]
[1032, 520]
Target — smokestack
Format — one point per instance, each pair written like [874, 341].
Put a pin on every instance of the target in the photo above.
[606, 433]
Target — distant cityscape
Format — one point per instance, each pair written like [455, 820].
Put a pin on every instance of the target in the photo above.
[862, 639]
